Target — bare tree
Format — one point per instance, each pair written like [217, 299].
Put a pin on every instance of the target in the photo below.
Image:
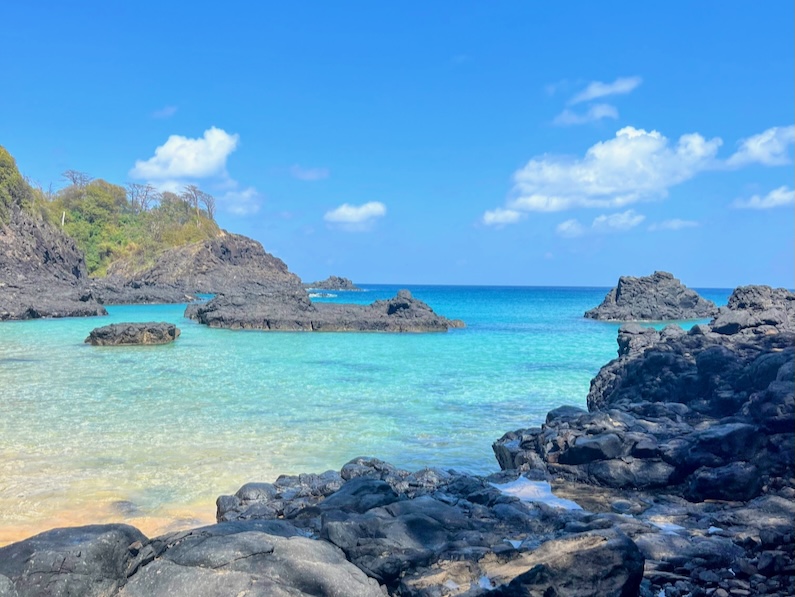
[208, 201]
[78, 179]
[190, 194]
[141, 196]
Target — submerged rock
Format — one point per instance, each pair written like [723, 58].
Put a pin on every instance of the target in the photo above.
[657, 297]
[125, 334]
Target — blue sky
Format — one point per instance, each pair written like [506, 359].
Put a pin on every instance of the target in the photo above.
[515, 143]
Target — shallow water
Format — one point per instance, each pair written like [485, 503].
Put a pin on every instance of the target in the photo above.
[152, 435]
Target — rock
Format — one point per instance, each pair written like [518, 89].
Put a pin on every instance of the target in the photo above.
[289, 309]
[87, 561]
[584, 565]
[652, 298]
[333, 283]
[219, 560]
[125, 334]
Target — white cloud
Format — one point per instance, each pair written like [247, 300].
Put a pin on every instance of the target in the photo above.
[356, 217]
[618, 222]
[769, 148]
[501, 216]
[182, 157]
[597, 89]
[241, 203]
[300, 173]
[675, 224]
[779, 197]
[633, 166]
[593, 114]
[570, 229]
[164, 112]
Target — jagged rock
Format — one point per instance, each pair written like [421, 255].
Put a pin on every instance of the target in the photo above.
[280, 308]
[704, 414]
[119, 334]
[91, 561]
[652, 298]
[42, 272]
[332, 283]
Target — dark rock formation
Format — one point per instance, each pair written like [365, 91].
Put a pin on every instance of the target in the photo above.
[229, 263]
[332, 283]
[703, 415]
[42, 272]
[125, 334]
[657, 297]
[289, 308]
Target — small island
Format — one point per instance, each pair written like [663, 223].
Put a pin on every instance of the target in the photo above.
[333, 283]
[658, 297]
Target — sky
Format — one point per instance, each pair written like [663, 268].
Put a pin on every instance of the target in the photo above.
[447, 142]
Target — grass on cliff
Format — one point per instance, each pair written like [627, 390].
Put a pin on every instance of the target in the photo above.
[111, 223]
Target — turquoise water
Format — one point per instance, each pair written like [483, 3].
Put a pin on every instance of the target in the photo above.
[152, 435]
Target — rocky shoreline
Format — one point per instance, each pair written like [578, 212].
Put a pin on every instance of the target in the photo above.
[679, 480]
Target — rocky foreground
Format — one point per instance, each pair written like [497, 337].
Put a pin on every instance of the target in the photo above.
[658, 297]
[679, 480]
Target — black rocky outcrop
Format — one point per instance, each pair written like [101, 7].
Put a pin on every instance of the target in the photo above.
[332, 283]
[42, 272]
[658, 297]
[127, 334]
[689, 418]
[288, 308]
[227, 263]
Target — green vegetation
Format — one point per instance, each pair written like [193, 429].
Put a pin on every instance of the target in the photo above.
[109, 222]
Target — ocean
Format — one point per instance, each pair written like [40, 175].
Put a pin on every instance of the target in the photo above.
[152, 435]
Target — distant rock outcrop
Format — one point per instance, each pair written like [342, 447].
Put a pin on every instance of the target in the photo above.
[658, 297]
[280, 308]
[228, 263]
[332, 283]
[126, 334]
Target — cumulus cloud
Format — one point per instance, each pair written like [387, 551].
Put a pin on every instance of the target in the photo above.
[635, 165]
[500, 217]
[164, 112]
[597, 89]
[356, 217]
[617, 222]
[769, 148]
[593, 114]
[309, 174]
[183, 157]
[675, 224]
[780, 197]
[570, 229]
[241, 203]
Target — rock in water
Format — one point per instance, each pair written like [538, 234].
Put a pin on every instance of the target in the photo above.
[127, 334]
[658, 297]
[289, 309]
[332, 283]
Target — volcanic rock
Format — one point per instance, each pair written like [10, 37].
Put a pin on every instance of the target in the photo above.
[332, 283]
[125, 334]
[657, 297]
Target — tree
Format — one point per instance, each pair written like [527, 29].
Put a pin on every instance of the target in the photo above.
[141, 196]
[78, 179]
[209, 204]
[194, 196]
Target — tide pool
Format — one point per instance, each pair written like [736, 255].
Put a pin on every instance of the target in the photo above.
[152, 435]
